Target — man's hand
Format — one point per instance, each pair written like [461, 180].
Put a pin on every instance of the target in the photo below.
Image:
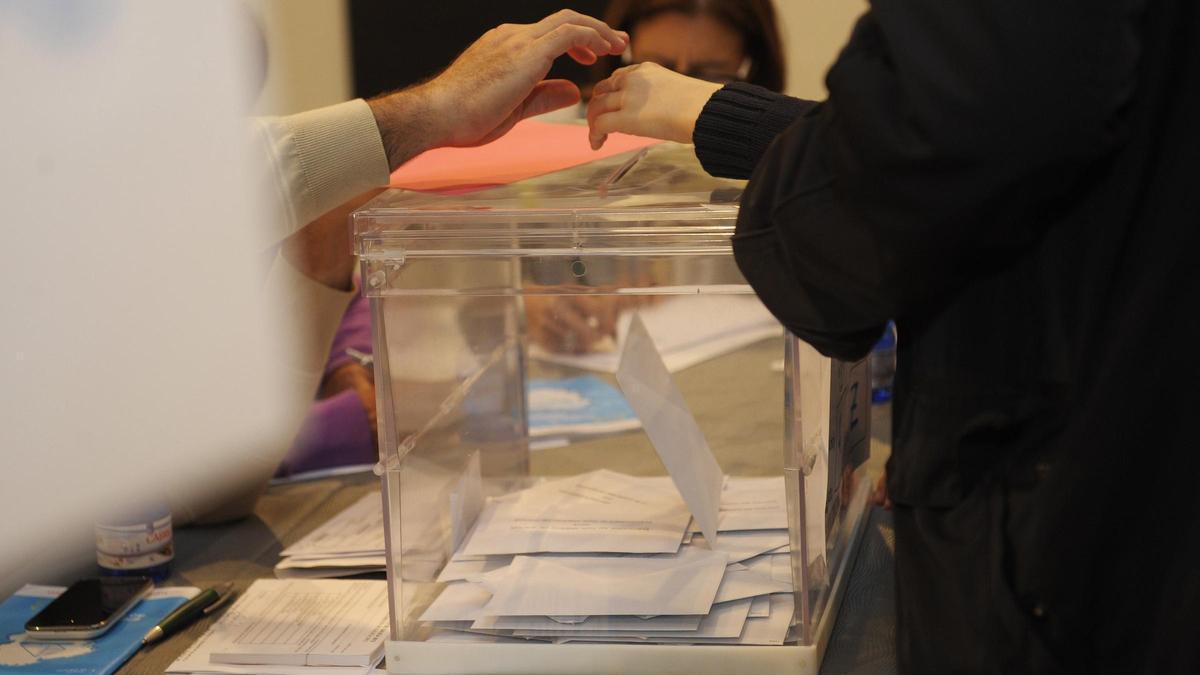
[491, 86]
[647, 100]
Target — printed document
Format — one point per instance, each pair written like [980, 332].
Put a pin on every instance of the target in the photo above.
[298, 623]
[357, 530]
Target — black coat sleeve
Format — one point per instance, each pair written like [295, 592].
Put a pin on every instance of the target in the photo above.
[952, 135]
[737, 125]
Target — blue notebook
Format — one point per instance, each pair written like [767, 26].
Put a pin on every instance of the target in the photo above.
[577, 406]
[105, 654]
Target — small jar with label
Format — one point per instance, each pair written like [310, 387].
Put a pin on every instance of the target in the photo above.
[139, 544]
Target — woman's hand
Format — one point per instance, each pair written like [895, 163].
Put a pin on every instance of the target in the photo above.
[578, 324]
[647, 100]
[572, 324]
[353, 376]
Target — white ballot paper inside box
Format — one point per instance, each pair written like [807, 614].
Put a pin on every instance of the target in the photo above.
[742, 582]
[458, 601]
[598, 512]
[666, 622]
[739, 546]
[723, 621]
[672, 429]
[758, 503]
[548, 585]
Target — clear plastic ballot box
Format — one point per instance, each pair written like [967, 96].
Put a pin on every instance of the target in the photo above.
[599, 452]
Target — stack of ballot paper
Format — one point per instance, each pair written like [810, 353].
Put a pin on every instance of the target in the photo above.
[349, 543]
[606, 557]
[295, 627]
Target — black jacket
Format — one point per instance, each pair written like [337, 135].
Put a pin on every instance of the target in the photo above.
[1016, 184]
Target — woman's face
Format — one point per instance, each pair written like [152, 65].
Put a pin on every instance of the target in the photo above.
[698, 46]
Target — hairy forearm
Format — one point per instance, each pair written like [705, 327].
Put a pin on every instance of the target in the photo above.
[407, 123]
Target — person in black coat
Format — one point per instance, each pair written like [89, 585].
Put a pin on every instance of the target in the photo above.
[1013, 183]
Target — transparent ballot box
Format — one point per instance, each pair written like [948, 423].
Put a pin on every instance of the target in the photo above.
[600, 453]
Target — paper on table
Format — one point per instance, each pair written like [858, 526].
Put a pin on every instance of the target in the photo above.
[331, 566]
[549, 585]
[723, 621]
[358, 529]
[601, 511]
[302, 622]
[670, 426]
[315, 474]
[686, 330]
[531, 148]
[197, 662]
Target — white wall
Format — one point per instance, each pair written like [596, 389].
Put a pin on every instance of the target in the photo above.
[309, 57]
[814, 33]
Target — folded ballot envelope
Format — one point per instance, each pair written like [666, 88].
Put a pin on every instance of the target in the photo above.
[599, 512]
[685, 583]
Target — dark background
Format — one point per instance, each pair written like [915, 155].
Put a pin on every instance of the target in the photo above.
[400, 42]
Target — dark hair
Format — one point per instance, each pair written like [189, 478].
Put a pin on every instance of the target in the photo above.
[753, 20]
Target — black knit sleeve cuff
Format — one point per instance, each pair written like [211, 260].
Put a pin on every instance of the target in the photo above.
[738, 123]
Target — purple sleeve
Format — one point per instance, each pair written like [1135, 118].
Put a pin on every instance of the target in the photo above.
[335, 433]
[354, 332]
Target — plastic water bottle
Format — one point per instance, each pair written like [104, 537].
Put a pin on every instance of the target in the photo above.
[138, 544]
[883, 365]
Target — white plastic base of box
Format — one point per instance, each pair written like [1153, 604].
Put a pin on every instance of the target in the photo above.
[432, 658]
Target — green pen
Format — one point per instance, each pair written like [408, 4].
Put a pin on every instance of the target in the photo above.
[205, 602]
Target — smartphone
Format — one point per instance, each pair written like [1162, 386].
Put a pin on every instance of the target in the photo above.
[88, 608]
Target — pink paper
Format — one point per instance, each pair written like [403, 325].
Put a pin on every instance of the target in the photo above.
[531, 148]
